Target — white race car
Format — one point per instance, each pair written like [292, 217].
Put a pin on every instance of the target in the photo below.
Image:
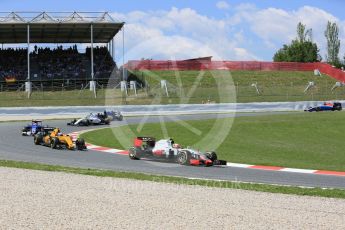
[91, 119]
[167, 149]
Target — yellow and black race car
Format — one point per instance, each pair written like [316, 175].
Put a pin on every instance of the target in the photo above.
[53, 138]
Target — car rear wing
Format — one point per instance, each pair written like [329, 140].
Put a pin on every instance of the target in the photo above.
[47, 129]
[138, 141]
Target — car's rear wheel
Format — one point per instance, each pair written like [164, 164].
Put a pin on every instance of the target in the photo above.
[54, 142]
[211, 155]
[84, 123]
[183, 157]
[133, 154]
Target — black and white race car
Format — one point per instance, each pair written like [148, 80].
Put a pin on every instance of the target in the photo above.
[98, 119]
[166, 149]
[91, 119]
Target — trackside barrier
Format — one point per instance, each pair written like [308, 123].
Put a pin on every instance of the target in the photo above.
[236, 65]
[140, 110]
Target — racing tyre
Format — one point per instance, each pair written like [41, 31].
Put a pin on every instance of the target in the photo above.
[54, 142]
[183, 157]
[80, 144]
[25, 132]
[133, 154]
[38, 139]
[211, 155]
[107, 121]
[120, 118]
[318, 109]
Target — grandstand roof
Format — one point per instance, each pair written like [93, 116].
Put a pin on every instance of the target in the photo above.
[57, 27]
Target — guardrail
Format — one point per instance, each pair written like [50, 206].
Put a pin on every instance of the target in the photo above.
[54, 84]
[140, 110]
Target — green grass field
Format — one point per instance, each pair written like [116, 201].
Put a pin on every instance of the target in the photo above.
[192, 87]
[298, 140]
[59, 98]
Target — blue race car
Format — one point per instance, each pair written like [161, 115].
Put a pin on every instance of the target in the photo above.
[336, 106]
[113, 115]
[33, 128]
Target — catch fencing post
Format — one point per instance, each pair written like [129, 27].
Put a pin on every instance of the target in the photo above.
[28, 86]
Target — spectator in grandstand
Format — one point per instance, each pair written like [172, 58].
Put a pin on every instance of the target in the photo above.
[13, 63]
[57, 63]
[60, 63]
[103, 62]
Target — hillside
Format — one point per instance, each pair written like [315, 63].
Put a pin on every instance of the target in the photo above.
[272, 85]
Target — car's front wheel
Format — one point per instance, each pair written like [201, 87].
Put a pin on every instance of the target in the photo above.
[38, 139]
[183, 157]
[80, 144]
[54, 142]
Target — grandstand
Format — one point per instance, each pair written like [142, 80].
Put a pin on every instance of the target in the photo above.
[66, 66]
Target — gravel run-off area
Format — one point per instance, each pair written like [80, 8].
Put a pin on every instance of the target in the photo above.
[51, 200]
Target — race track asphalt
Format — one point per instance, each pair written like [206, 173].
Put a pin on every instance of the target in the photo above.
[13, 146]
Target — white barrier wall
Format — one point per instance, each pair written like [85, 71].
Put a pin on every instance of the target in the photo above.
[132, 110]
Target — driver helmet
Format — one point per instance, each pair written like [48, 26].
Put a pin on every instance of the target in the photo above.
[58, 132]
[176, 146]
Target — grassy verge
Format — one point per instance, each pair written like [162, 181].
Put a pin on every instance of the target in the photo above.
[60, 98]
[273, 85]
[332, 193]
[192, 87]
[302, 140]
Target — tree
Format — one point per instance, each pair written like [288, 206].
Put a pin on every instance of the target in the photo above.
[302, 34]
[302, 49]
[333, 43]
